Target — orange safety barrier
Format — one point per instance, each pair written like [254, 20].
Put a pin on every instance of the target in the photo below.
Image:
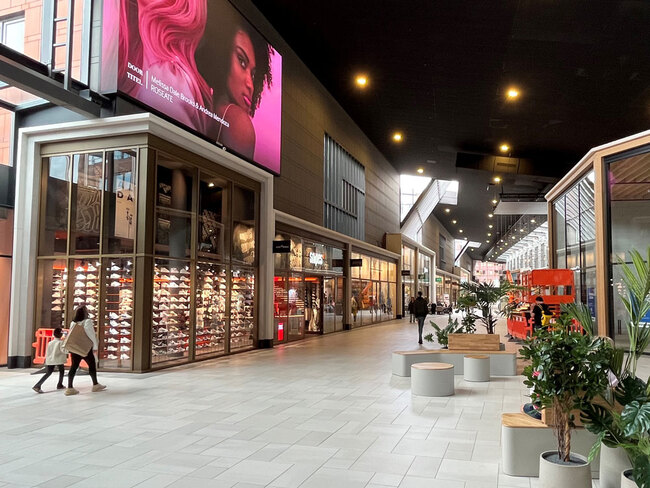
[43, 338]
[519, 327]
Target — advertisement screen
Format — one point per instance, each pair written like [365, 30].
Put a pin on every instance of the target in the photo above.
[201, 63]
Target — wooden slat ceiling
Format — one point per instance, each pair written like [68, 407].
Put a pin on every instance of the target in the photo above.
[630, 178]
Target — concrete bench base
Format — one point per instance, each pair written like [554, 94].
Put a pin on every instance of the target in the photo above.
[432, 379]
[502, 363]
[523, 439]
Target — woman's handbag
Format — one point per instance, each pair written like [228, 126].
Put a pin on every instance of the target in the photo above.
[77, 341]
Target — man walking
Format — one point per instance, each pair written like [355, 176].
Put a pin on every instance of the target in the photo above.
[420, 310]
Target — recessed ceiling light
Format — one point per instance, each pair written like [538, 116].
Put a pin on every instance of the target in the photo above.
[497, 179]
[503, 148]
[532, 221]
[461, 231]
[447, 210]
[487, 242]
[494, 202]
[490, 226]
[490, 215]
[489, 234]
[454, 221]
[420, 171]
[210, 185]
[361, 81]
[512, 93]
[521, 230]
[513, 237]
[398, 137]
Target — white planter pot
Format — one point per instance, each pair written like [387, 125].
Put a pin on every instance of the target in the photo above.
[577, 474]
[612, 462]
[627, 482]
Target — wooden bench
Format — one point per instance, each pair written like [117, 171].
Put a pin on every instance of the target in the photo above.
[502, 363]
[523, 439]
[474, 342]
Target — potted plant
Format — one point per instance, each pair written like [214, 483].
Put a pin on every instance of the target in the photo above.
[619, 439]
[442, 333]
[485, 296]
[567, 370]
[466, 305]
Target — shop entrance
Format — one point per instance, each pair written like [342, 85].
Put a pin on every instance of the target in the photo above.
[313, 301]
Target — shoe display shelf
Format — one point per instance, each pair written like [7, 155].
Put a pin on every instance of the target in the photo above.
[117, 325]
[211, 287]
[242, 321]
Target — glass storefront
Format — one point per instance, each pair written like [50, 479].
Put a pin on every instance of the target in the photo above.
[408, 265]
[424, 276]
[307, 289]
[629, 220]
[575, 237]
[374, 288]
[196, 262]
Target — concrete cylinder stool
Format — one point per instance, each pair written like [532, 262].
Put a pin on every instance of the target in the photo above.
[476, 367]
[432, 379]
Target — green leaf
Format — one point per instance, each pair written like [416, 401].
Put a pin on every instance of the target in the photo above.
[636, 419]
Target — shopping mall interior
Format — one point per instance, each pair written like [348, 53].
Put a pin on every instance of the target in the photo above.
[325, 244]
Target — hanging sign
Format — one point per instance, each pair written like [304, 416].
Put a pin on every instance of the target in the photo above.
[281, 247]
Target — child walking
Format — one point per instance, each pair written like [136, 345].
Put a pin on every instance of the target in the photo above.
[55, 356]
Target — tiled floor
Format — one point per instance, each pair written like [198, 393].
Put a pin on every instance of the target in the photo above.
[319, 414]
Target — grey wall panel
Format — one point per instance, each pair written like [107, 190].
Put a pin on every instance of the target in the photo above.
[308, 112]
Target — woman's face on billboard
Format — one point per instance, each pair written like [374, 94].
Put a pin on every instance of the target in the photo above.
[242, 71]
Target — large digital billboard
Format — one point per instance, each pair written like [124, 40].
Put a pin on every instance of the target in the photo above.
[202, 64]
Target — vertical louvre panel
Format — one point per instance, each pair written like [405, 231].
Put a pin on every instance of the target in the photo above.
[344, 191]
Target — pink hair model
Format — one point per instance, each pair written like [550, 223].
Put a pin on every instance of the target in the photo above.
[169, 32]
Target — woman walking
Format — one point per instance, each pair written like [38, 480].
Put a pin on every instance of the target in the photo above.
[81, 320]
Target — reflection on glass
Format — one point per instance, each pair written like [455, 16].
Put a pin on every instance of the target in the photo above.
[313, 319]
[120, 202]
[629, 210]
[54, 221]
[243, 217]
[85, 214]
[280, 307]
[212, 192]
[559, 233]
[173, 233]
[115, 347]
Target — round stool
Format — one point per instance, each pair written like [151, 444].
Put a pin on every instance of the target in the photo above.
[476, 368]
[432, 379]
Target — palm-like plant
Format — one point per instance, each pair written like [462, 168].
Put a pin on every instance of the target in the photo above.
[636, 301]
[486, 296]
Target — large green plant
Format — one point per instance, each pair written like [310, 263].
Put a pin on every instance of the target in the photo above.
[566, 371]
[466, 304]
[486, 296]
[636, 300]
[442, 333]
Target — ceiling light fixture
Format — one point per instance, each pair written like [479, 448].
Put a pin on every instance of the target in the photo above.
[461, 231]
[490, 226]
[489, 234]
[361, 81]
[532, 221]
[521, 230]
[490, 215]
[503, 148]
[512, 93]
[497, 179]
[397, 137]
[454, 221]
[494, 202]
[210, 185]
[420, 171]
[447, 210]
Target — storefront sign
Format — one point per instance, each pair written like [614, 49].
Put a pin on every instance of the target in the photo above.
[281, 247]
[356, 263]
[316, 258]
[438, 279]
[337, 263]
[406, 272]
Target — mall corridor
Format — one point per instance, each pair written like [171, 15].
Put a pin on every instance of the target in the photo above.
[320, 413]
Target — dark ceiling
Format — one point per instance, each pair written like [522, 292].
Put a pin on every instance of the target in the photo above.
[439, 70]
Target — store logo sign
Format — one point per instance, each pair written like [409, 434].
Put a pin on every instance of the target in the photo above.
[315, 258]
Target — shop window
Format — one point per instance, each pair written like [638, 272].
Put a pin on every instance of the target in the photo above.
[85, 214]
[120, 202]
[280, 307]
[171, 310]
[115, 334]
[173, 212]
[242, 310]
[51, 295]
[296, 306]
[12, 32]
[243, 216]
[210, 330]
[212, 198]
[54, 221]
